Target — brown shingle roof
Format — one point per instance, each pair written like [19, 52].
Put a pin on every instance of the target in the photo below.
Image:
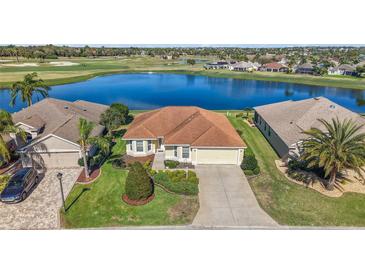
[60, 117]
[185, 125]
[288, 119]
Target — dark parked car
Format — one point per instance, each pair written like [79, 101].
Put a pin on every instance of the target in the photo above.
[19, 185]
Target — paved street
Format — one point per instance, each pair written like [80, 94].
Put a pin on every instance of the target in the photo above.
[39, 210]
[226, 199]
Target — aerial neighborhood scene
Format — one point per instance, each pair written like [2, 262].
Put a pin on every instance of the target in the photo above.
[190, 137]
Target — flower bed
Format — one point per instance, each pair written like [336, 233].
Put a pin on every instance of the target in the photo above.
[178, 181]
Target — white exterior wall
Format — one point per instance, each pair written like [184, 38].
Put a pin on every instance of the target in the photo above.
[133, 152]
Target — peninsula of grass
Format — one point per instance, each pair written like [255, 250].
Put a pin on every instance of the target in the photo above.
[100, 205]
[291, 204]
[88, 68]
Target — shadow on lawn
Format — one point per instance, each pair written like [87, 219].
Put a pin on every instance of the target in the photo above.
[77, 197]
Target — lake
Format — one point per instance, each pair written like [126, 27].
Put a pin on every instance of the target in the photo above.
[153, 90]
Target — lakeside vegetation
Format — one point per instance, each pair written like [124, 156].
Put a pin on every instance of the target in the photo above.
[82, 69]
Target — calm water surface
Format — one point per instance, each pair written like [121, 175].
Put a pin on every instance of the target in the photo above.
[149, 91]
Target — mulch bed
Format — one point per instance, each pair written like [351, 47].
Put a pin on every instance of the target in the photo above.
[137, 202]
[130, 159]
[93, 176]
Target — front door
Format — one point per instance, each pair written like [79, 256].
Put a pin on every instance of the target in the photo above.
[160, 142]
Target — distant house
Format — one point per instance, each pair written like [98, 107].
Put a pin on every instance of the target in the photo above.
[306, 68]
[244, 66]
[282, 123]
[186, 134]
[219, 65]
[52, 132]
[343, 70]
[274, 67]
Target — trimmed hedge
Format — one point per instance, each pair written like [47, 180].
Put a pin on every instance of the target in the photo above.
[138, 184]
[178, 182]
[249, 163]
[171, 163]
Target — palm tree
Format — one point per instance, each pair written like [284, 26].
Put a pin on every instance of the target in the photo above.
[85, 130]
[6, 127]
[340, 146]
[26, 88]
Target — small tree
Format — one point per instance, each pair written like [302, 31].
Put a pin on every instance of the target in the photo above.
[115, 116]
[6, 127]
[191, 62]
[85, 130]
[341, 145]
[138, 184]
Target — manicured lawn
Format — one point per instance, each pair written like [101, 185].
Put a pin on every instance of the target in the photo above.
[100, 204]
[291, 204]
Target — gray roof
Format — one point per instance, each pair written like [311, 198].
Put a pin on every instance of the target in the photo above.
[346, 67]
[288, 119]
[60, 117]
[306, 66]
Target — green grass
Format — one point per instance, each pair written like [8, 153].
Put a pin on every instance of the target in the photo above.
[92, 67]
[100, 204]
[291, 204]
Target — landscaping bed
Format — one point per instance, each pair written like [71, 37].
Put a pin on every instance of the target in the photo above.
[179, 181]
[172, 164]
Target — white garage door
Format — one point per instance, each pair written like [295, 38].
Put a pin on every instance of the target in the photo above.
[217, 156]
[54, 160]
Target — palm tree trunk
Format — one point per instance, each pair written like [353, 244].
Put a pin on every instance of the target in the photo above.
[332, 180]
[86, 168]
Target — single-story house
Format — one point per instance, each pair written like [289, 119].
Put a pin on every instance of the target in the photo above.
[282, 123]
[52, 131]
[219, 65]
[186, 134]
[306, 68]
[343, 70]
[244, 66]
[274, 67]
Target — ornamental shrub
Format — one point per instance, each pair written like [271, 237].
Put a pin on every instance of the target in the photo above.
[249, 163]
[171, 163]
[138, 184]
[176, 181]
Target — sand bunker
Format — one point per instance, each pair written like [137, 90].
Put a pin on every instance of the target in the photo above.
[62, 64]
[22, 65]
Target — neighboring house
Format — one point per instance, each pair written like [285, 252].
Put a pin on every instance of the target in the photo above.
[343, 70]
[283, 123]
[274, 67]
[185, 134]
[52, 131]
[306, 68]
[218, 65]
[244, 66]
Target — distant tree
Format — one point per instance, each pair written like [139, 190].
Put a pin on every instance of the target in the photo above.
[27, 88]
[115, 116]
[191, 62]
[341, 145]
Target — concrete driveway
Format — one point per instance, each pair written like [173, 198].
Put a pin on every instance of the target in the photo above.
[39, 210]
[226, 200]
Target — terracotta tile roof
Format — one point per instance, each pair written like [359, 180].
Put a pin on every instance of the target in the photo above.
[185, 125]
